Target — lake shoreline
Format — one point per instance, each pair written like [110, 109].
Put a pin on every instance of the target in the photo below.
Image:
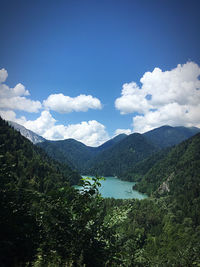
[113, 187]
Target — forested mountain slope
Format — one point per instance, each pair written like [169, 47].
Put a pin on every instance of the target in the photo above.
[166, 136]
[104, 159]
[111, 143]
[124, 154]
[177, 171]
[29, 163]
[118, 155]
[45, 222]
[75, 153]
[69, 151]
[163, 230]
[136, 172]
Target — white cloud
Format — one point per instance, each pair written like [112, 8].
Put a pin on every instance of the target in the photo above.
[172, 114]
[15, 98]
[132, 99]
[91, 133]
[165, 97]
[3, 75]
[20, 103]
[41, 124]
[66, 104]
[122, 131]
[10, 115]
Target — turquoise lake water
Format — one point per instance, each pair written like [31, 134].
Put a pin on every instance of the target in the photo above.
[116, 188]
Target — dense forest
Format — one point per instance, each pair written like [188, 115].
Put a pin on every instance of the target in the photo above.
[76, 154]
[45, 222]
[119, 155]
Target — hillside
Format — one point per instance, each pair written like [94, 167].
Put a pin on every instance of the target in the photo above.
[119, 155]
[123, 155]
[29, 163]
[137, 171]
[45, 222]
[75, 153]
[69, 151]
[116, 156]
[31, 136]
[175, 171]
[111, 142]
[166, 136]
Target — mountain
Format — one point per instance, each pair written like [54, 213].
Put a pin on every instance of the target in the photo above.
[163, 137]
[111, 142]
[166, 136]
[42, 217]
[121, 156]
[33, 137]
[30, 164]
[178, 171]
[137, 171]
[45, 222]
[75, 153]
[116, 156]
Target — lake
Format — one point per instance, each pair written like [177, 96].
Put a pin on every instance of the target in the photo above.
[116, 188]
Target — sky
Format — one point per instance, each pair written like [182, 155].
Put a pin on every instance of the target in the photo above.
[90, 70]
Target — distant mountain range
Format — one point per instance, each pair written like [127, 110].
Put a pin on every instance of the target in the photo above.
[119, 156]
[167, 136]
[164, 228]
[75, 153]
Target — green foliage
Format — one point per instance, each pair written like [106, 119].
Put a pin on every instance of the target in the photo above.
[39, 212]
[126, 153]
[179, 169]
[29, 164]
[119, 155]
[76, 154]
[166, 136]
[69, 151]
[137, 171]
[46, 222]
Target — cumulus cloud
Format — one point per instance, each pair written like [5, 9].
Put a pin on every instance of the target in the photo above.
[165, 97]
[66, 104]
[41, 124]
[132, 100]
[15, 98]
[122, 131]
[10, 115]
[91, 133]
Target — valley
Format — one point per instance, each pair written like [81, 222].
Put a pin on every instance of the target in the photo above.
[45, 221]
[113, 187]
[119, 155]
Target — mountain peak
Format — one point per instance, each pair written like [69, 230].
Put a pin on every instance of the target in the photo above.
[166, 135]
[31, 136]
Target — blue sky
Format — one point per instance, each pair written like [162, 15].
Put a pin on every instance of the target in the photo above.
[59, 50]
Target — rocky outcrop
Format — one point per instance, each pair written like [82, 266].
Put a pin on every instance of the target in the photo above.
[33, 137]
[164, 187]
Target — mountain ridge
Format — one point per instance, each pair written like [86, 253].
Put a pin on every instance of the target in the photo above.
[30, 135]
[182, 160]
[107, 158]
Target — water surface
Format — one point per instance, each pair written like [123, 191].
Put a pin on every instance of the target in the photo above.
[116, 188]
